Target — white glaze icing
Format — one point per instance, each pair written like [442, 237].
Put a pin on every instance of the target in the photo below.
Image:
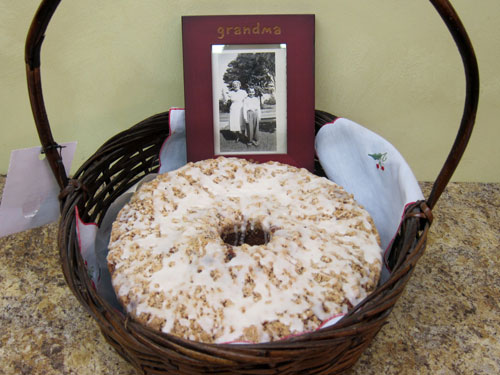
[171, 270]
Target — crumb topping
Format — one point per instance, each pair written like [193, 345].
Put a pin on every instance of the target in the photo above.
[172, 270]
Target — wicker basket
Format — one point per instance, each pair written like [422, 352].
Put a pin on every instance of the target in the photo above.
[128, 156]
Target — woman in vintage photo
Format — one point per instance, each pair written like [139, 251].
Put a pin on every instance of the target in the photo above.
[236, 121]
[252, 115]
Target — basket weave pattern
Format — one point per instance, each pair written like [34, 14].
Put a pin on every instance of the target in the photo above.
[120, 163]
[126, 158]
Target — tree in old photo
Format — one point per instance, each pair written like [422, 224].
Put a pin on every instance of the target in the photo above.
[257, 70]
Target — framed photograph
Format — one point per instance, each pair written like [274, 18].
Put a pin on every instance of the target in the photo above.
[249, 99]
[249, 87]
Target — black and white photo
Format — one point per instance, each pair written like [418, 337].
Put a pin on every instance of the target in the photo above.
[249, 99]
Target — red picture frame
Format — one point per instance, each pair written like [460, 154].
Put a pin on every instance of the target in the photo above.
[280, 44]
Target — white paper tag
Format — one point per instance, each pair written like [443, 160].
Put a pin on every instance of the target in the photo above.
[29, 197]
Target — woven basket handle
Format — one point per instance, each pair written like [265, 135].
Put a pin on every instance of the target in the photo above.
[51, 148]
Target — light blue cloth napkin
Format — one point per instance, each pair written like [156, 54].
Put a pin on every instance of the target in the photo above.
[371, 169]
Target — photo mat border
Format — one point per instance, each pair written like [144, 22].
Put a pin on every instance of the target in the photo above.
[199, 33]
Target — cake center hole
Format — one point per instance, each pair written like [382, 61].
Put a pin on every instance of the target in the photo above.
[250, 233]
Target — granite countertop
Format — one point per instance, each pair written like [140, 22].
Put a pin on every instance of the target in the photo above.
[446, 322]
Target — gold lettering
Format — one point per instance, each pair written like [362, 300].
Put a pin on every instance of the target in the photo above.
[220, 32]
[256, 29]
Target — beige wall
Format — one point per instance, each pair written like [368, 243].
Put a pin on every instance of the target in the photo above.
[388, 64]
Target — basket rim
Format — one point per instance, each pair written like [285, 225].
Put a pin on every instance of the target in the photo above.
[364, 320]
[155, 352]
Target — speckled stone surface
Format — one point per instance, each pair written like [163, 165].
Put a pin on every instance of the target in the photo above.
[446, 322]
